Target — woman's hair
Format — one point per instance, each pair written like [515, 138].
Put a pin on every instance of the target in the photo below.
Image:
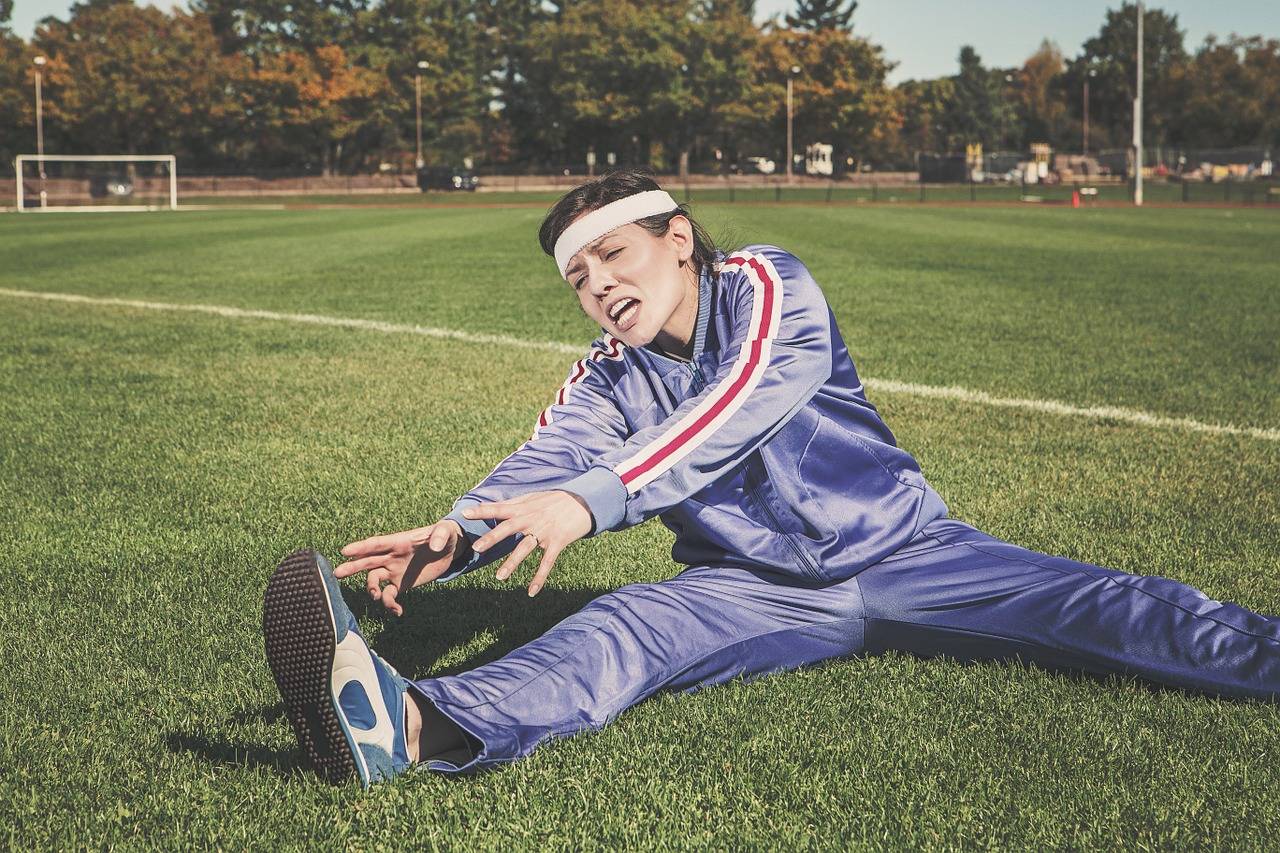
[600, 191]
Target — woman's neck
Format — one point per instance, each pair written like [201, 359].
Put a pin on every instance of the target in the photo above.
[675, 339]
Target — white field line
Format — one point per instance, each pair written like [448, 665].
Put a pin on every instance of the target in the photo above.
[890, 386]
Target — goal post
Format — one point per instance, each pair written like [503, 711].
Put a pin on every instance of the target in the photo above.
[96, 182]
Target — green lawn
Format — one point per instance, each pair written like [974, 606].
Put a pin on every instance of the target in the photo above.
[154, 467]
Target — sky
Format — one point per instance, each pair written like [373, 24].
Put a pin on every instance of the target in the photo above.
[924, 36]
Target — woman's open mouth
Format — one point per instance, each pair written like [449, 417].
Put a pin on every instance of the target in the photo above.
[625, 313]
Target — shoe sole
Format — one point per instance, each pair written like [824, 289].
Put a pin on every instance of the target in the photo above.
[297, 624]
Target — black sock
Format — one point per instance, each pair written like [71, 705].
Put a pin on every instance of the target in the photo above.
[441, 738]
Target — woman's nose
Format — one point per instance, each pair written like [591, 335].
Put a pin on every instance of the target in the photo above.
[601, 282]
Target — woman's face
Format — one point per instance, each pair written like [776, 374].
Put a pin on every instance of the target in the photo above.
[635, 285]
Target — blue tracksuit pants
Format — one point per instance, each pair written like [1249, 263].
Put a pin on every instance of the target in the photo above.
[952, 591]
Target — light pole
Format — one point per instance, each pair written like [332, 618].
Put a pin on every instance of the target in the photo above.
[795, 69]
[1137, 120]
[1084, 133]
[39, 63]
[1004, 112]
[423, 65]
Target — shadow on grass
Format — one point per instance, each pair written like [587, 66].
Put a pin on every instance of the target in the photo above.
[438, 620]
[228, 753]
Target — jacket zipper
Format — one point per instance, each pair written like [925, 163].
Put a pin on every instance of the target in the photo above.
[806, 562]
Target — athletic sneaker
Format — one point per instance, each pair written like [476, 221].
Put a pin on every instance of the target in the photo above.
[346, 704]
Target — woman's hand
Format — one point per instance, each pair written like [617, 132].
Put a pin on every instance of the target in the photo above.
[549, 520]
[401, 560]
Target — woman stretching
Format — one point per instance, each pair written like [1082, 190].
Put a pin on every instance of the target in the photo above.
[721, 398]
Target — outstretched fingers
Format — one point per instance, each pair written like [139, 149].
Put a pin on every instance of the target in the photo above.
[364, 564]
[523, 548]
[549, 557]
[497, 509]
[369, 546]
[510, 527]
[387, 543]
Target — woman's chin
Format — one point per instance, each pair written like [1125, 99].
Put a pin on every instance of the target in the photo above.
[634, 337]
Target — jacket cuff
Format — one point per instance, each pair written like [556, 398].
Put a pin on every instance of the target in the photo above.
[604, 494]
[472, 529]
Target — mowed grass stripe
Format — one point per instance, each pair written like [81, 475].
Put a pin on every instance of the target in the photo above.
[964, 395]
[1165, 311]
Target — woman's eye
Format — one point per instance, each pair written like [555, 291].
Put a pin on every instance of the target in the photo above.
[613, 253]
[577, 285]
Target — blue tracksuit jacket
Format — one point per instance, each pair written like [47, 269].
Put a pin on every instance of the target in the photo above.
[761, 451]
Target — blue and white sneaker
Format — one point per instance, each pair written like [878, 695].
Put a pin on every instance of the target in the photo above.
[346, 704]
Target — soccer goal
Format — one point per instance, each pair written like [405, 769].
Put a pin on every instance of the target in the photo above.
[97, 182]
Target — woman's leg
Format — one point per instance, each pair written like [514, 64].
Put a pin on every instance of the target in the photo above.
[956, 591]
[705, 626]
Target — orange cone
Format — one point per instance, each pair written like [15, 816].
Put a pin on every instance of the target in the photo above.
[1075, 198]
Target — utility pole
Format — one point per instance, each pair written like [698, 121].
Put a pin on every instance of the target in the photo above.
[1084, 134]
[1137, 121]
[423, 65]
[795, 69]
[44, 195]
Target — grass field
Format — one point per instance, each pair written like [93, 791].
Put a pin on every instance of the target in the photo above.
[155, 465]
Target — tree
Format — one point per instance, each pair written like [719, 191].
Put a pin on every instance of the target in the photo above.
[746, 8]
[1233, 94]
[310, 103]
[1111, 55]
[130, 79]
[17, 91]
[718, 76]
[1040, 109]
[462, 46]
[609, 76]
[818, 15]
[252, 26]
[979, 110]
[924, 105]
[841, 97]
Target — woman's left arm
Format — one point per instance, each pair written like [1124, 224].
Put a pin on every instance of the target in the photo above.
[779, 356]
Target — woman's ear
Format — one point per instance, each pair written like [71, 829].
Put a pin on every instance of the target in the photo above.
[680, 233]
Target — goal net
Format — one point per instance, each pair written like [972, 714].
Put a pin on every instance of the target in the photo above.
[96, 182]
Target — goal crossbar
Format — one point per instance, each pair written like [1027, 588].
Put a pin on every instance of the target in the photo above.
[40, 159]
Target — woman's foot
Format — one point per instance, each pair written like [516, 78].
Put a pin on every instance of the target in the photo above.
[347, 706]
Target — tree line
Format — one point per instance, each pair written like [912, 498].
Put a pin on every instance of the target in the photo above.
[329, 85]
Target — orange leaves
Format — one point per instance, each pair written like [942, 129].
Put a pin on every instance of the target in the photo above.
[321, 90]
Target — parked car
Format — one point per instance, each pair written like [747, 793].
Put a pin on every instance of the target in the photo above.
[763, 165]
[447, 178]
[110, 186]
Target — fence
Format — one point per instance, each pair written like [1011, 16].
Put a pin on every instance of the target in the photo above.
[887, 188]
[1245, 193]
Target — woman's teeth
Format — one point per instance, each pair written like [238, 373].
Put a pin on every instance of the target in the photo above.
[628, 315]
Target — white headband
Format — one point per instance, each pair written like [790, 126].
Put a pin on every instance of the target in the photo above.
[587, 229]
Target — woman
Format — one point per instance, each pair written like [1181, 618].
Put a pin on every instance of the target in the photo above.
[720, 397]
